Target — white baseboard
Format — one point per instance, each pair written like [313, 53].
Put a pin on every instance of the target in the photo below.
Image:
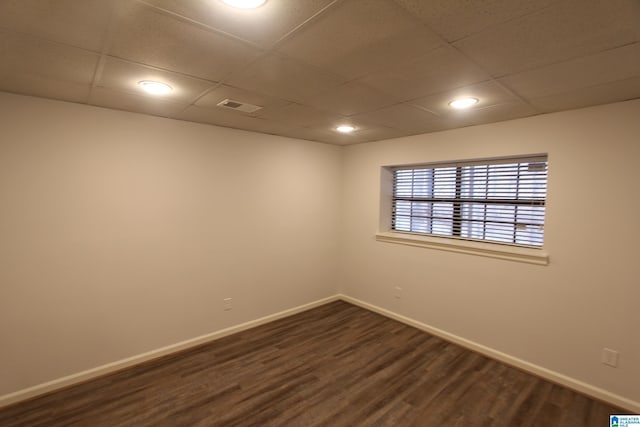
[109, 368]
[547, 374]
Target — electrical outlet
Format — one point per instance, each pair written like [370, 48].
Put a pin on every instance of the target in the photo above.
[610, 357]
[227, 304]
[397, 292]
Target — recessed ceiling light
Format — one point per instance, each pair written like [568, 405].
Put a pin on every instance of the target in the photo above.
[345, 128]
[463, 103]
[245, 4]
[155, 88]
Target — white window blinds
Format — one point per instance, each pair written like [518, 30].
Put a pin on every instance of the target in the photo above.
[497, 200]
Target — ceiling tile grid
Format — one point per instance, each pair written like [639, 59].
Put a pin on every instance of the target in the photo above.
[441, 69]
[151, 37]
[124, 76]
[263, 26]
[76, 23]
[457, 19]
[488, 93]
[101, 97]
[566, 30]
[283, 77]
[50, 69]
[603, 67]
[351, 98]
[349, 40]
[390, 68]
[222, 92]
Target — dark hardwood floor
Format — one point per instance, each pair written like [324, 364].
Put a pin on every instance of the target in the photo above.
[336, 365]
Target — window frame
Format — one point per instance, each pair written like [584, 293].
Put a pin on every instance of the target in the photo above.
[502, 250]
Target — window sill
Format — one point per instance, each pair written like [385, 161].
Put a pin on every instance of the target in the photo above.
[492, 250]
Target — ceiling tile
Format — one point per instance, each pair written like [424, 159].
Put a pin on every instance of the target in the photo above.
[455, 19]
[490, 114]
[487, 93]
[607, 66]
[124, 76]
[402, 117]
[232, 119]
[37, 67]
[495, 104]
[328, 135]
[569, 29]
[101, 97]
[621, 90]
[382, 65]
[211, 99]
[81, 23]
[314, 134]
[297, 115]
[371, 134]
[351, 98]
[284, 78]
[439, 70]
[348, 39]
[59, 90]
[262, 26]
[153, 38]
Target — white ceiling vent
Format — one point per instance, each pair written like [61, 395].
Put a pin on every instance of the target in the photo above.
[238, 106]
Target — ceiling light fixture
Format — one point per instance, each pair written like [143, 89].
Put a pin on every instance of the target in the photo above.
[345, 128]
[463, 103]
[155, 88]
[245, 4]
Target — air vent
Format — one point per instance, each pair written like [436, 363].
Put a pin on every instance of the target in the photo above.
[238, 106]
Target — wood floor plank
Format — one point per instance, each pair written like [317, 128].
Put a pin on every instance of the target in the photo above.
[335, 365]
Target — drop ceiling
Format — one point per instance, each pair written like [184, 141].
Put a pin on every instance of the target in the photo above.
[388, 67]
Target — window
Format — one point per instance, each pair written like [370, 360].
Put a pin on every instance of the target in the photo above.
[496, 200]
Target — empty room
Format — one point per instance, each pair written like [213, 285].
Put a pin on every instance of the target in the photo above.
[319, 213]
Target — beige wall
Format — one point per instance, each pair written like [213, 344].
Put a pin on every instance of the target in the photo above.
[122, 233]
[559, 316]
